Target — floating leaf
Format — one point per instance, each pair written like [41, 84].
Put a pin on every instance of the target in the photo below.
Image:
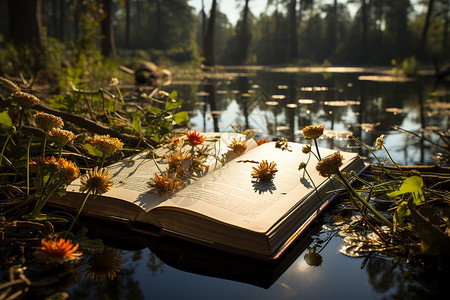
[411, 185]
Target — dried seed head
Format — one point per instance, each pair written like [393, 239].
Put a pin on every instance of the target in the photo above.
[330, 165]
[24, 100]
[313, 132]
[61, 137]
[47, 121]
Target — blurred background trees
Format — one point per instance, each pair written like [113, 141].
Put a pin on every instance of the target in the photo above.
[296, 32]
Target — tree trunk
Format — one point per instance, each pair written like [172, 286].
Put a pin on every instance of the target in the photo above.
[158, 33]
[293, 53]
[108, 44]
[127, 23]
[423, 39]
[62, 19]
[25, 23]
[208, 44]
[364, 28]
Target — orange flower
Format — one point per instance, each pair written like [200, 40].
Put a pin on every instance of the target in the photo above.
[263, 141]
[265, 172]
[68, 171]
[50, 163]
[58, 250]
[105, 143]
[194, 138]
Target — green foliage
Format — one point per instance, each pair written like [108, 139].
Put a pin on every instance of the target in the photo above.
[412, 185]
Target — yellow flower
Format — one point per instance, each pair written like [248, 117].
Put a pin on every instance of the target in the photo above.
[97, 181]
[58, 250]
[25, 100]
[194, 138]
[379, 142]
[105, 143]
[313, 132]
[105, 265]
[265, 172]
[68, 171]
[330, 165]
[306, 149]
[165, 184]
[302, 166]
[61, 137]
[47, 121]
[238, 146]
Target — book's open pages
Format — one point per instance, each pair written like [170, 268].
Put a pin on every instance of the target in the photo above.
[225, 207]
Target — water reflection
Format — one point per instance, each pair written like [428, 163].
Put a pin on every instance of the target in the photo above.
[278, 104]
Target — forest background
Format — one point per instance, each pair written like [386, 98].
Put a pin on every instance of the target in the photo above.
[292, 32]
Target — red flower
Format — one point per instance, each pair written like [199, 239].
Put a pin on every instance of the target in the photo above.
[194, 138]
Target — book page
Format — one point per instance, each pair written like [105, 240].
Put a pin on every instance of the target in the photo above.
[230, 195]
[131, 175]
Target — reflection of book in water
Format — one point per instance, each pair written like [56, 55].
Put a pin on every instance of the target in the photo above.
[197, 259]
[224, 209]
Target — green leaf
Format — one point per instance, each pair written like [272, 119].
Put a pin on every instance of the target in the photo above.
[411, 185]
[173, 95]
[137, 125]
[155, 110]
[171, 104]
[92, 151]
[5, 120]
[181, 117]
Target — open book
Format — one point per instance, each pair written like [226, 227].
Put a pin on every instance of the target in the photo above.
[225, 208]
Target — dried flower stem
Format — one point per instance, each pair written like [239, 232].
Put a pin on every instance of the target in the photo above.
[395, 164]
[353, 193]
[317, 149]
[41, 202]
[373, 154]
[78, 213]
[4, 147]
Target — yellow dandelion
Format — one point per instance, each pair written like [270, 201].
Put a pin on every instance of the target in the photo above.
[105, 143]
[68, 171]
[330, 165]
[379, 142]
[164, 184]
[61, 137]
[47, 121]
[238, 146]
[265, 172]
[313, 132]
[105, 265]
[306, 149]
[25, 100]
[58, 250]
[97, 181]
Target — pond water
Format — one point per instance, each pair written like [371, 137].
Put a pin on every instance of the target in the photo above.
[279, 103]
